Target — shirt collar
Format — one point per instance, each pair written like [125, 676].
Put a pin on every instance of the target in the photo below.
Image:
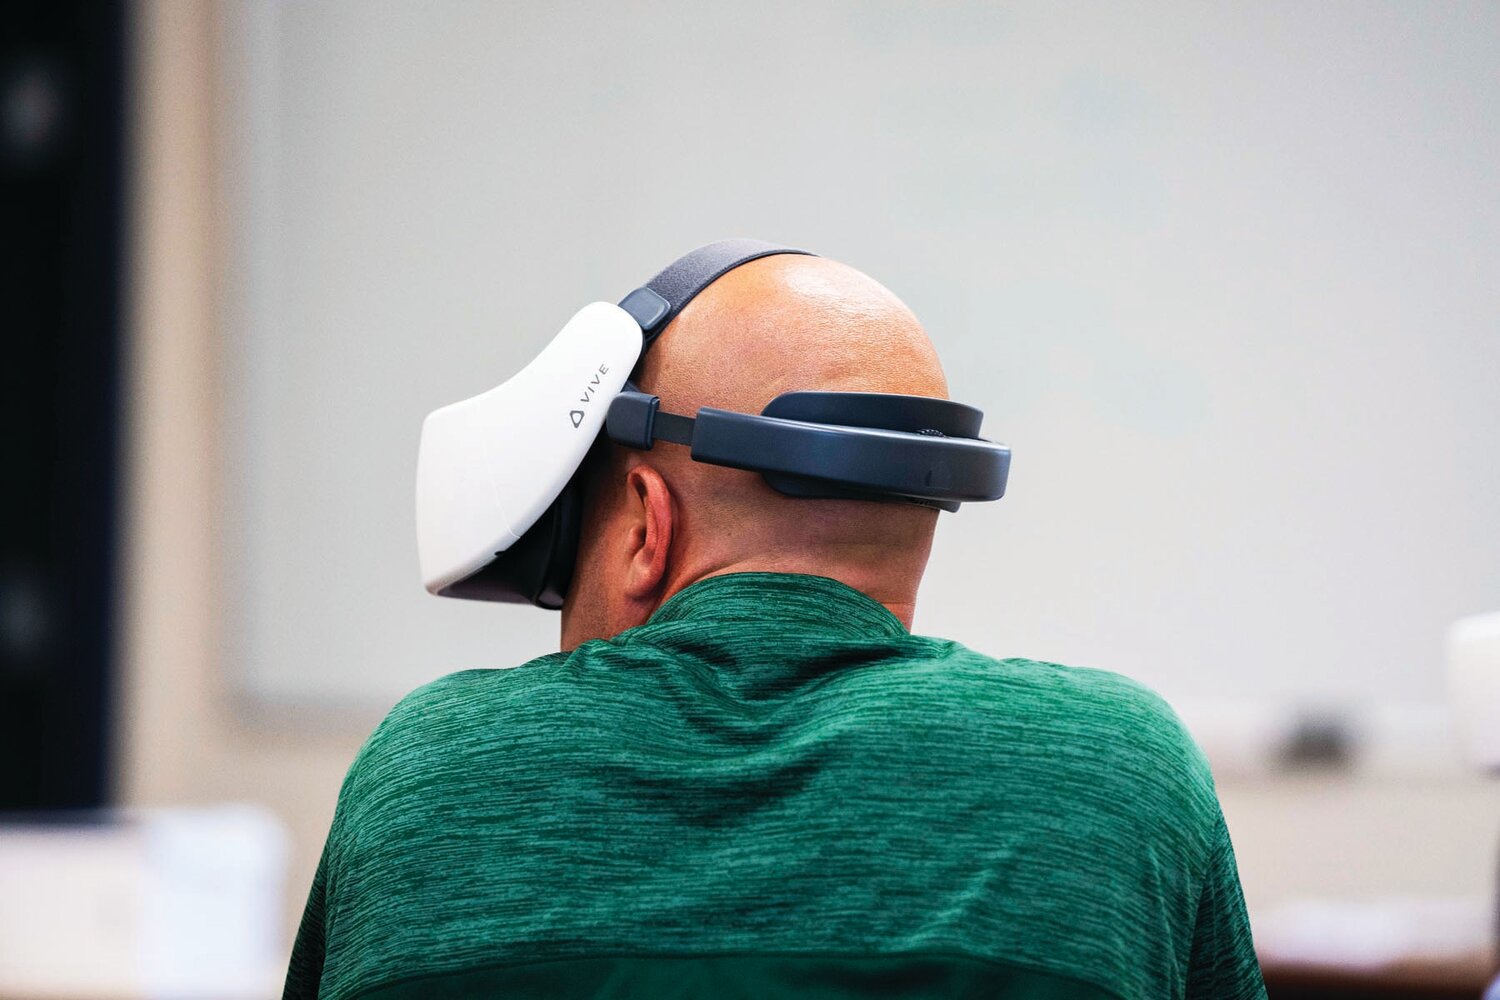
[791, 604]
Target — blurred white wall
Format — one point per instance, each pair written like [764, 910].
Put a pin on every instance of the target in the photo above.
[1222, 275]
[191, 735]
[184, 735]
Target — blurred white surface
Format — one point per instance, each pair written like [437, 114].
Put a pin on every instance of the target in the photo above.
[1365, 935]
[179, 903]
[1223, 276]
[1474, 683]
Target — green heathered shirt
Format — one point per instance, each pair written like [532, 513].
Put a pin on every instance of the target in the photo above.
[771, 789]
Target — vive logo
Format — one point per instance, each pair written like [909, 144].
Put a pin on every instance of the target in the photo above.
[588, 396]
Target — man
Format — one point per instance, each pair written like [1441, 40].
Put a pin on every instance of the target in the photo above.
[745, 777]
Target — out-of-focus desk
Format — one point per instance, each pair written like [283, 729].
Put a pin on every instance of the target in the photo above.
[1396, 946]
[1462, 979]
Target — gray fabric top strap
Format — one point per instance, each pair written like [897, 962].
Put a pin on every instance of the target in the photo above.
[656, 303]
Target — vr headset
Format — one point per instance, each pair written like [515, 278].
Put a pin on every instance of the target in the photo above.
[498, 485]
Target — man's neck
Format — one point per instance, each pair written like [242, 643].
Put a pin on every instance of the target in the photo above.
[896, 590]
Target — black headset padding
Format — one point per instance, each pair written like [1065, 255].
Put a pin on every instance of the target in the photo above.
[538, 568]
[684, 278]
[912, 414]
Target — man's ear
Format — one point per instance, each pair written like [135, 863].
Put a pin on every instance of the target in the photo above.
[653, 518]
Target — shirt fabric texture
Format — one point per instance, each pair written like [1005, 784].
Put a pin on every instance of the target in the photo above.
[773, 789]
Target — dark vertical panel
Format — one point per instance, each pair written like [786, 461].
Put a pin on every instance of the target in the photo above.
[61, 136]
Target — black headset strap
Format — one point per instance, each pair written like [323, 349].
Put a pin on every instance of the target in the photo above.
[659, 301]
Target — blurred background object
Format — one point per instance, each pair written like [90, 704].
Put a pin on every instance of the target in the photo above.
[157, 903]
[62, 117]
[1222, 276]
[1474, 680]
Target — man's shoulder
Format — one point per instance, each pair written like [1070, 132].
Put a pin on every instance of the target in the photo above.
[1089, 722]
[436, 724]
[1013, 720]
[934, 678]
[453, 694]
[469, 689]
[1045, 692]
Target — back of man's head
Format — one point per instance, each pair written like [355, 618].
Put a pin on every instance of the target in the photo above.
[656, 521]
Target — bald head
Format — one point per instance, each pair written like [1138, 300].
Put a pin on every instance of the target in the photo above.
[657, 521]
[790, 322]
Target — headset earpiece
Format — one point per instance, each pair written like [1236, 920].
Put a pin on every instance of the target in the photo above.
[834, 445]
